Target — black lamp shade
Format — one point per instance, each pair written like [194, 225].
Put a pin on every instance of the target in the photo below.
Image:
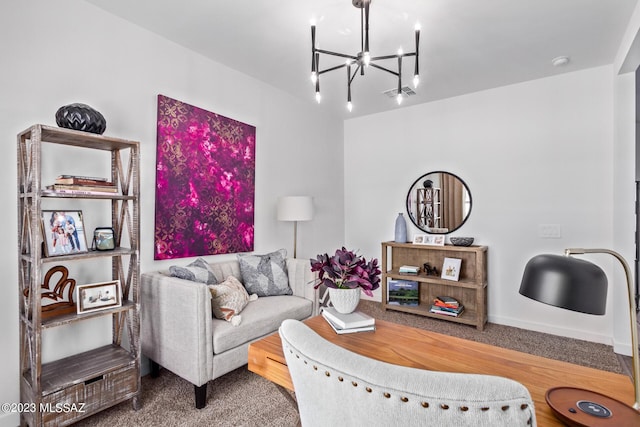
[565, 282]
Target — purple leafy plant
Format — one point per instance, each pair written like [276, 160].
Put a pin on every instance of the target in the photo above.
[346, 270]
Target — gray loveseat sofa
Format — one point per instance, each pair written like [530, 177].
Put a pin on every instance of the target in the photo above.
[179, 333]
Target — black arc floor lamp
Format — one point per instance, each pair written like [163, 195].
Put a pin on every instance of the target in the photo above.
[579, 285]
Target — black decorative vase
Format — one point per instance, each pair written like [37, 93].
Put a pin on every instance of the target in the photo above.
[81, 117]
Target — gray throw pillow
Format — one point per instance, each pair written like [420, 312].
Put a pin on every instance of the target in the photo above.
[265, 275]
[197, 271]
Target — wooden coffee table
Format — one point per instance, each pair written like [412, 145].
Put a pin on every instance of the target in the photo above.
[407, 346]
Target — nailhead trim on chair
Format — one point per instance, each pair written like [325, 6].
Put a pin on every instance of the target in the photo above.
[405, 399]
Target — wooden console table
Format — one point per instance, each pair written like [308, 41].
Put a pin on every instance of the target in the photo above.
[407, 346]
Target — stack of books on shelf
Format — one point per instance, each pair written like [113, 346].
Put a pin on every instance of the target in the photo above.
[446, 306]
[348, 323]
[408, 269]
[74, 184]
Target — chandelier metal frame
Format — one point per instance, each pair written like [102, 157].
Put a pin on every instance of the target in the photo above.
[360, 61]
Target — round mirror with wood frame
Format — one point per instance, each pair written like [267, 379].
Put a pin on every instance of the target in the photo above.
[439, 202]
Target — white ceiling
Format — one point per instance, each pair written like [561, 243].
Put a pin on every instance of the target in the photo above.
[465, 45]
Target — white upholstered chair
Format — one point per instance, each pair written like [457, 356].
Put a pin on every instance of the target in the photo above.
[336, 387]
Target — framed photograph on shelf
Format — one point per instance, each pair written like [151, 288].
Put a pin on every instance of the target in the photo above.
[63, 233]
[99, 296]
[103, 239]
[451, 269]
[429, 239]
[419, 239]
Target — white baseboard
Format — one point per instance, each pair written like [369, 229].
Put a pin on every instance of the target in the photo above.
[553, 330]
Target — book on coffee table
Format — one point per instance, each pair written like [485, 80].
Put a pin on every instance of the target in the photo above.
[339, 330]
[357, 319]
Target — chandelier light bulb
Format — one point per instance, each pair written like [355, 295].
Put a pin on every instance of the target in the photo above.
[318, 97]
[400, 52]
[399, 98]
[416, 80]
[367, 58]
[349, 106]
[314, 77]
[417, 27]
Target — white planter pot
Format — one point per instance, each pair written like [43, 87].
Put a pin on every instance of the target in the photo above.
[344, 300]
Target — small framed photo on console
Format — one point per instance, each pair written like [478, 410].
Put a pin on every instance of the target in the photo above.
[429, 239]
[451, 269]
[419, 239]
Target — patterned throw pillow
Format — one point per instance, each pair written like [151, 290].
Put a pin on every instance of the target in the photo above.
[197, 271]
[229, 298]
[265, 275]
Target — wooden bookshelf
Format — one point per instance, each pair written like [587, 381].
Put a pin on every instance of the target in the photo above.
[470, 289]
[94, 380]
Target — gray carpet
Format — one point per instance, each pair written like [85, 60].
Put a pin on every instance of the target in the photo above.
[242, 398]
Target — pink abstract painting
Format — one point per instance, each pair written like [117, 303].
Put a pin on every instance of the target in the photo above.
[205, 182]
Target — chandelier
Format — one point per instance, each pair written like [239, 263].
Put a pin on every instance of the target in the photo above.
[362, 60]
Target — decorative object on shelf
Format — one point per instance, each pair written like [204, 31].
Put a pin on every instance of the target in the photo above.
[403, 292]
[103, 239]
[61, 304]
[99, 296]
[451, 269]
[401, 229]
[429, 239]
[438, 202]
[81, 117]
[343, 271]
[461, 241]
[204, 196]
[63, 233]
[579, 285]
[295, 208]
[429, 270]
[363, 59]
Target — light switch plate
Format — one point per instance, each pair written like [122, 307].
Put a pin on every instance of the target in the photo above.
[549, 231]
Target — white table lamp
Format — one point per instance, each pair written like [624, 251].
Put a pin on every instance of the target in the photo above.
[295, 208]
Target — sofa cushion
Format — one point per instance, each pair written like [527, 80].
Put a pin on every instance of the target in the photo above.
[259, 318]
[197, 271]
[265, 275]
[228, 300]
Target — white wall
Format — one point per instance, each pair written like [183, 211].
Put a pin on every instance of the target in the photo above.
[55, 53]
[625, 172]
[538, 152]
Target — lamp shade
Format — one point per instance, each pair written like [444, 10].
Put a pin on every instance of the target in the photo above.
[565, 282]
[295, 208]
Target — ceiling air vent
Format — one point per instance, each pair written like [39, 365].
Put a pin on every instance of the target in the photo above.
[406, 91]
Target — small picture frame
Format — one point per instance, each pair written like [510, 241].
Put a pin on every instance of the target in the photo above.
[419, 239]
[103, 239]
[429, 239]
[63, 233]
[451, 269]
[99, 296]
